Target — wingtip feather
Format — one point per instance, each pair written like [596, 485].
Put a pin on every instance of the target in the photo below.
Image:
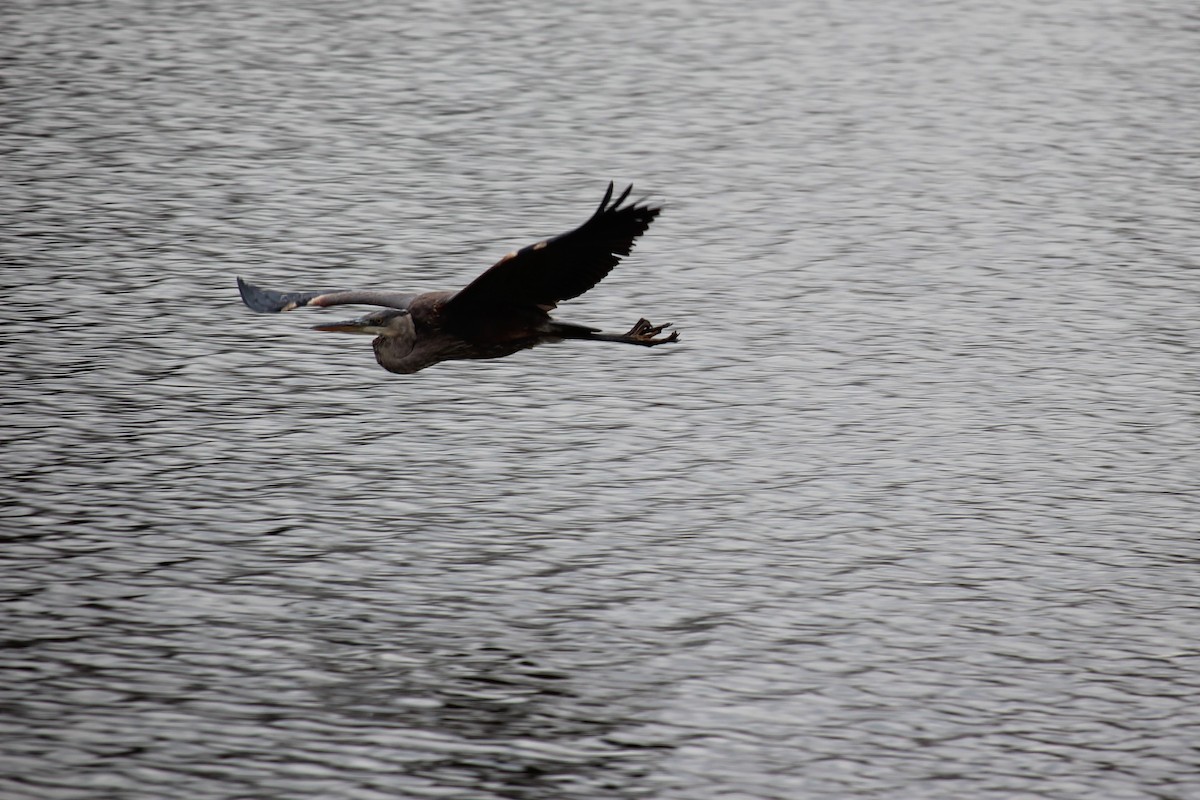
[604, 203]
[621, 199]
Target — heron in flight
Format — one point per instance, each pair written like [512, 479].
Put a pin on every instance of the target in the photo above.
[504, 310]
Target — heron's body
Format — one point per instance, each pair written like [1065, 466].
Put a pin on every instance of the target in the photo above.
[503, 311]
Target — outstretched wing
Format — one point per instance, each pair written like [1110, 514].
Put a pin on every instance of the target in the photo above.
[563, 267]
[269, 301]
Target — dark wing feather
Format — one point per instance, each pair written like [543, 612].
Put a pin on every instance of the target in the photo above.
[269, 301]
[563, 267]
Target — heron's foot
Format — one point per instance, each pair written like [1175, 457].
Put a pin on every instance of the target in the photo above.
[645, 333]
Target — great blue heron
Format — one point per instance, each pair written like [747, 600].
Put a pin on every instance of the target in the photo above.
[504, 310]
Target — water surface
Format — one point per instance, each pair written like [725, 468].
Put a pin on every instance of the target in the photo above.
[910, 513]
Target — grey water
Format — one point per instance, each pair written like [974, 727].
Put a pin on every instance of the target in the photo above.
[910, 512]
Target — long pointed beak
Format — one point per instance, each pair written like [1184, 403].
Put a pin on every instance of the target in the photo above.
[349, 326]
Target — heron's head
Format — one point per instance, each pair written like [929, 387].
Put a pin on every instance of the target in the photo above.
[387, 322]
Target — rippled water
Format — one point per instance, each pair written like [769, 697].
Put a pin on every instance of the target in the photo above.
[910, 513]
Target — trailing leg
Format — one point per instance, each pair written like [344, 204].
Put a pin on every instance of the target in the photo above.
[642, 333]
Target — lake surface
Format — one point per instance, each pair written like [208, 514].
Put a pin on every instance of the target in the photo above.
[910, 512]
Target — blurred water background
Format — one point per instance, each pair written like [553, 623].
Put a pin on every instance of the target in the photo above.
[911, 512]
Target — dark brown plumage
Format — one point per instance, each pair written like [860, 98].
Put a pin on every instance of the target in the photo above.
[504, 310]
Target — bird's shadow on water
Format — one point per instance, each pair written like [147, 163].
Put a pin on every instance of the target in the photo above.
[501, 723]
